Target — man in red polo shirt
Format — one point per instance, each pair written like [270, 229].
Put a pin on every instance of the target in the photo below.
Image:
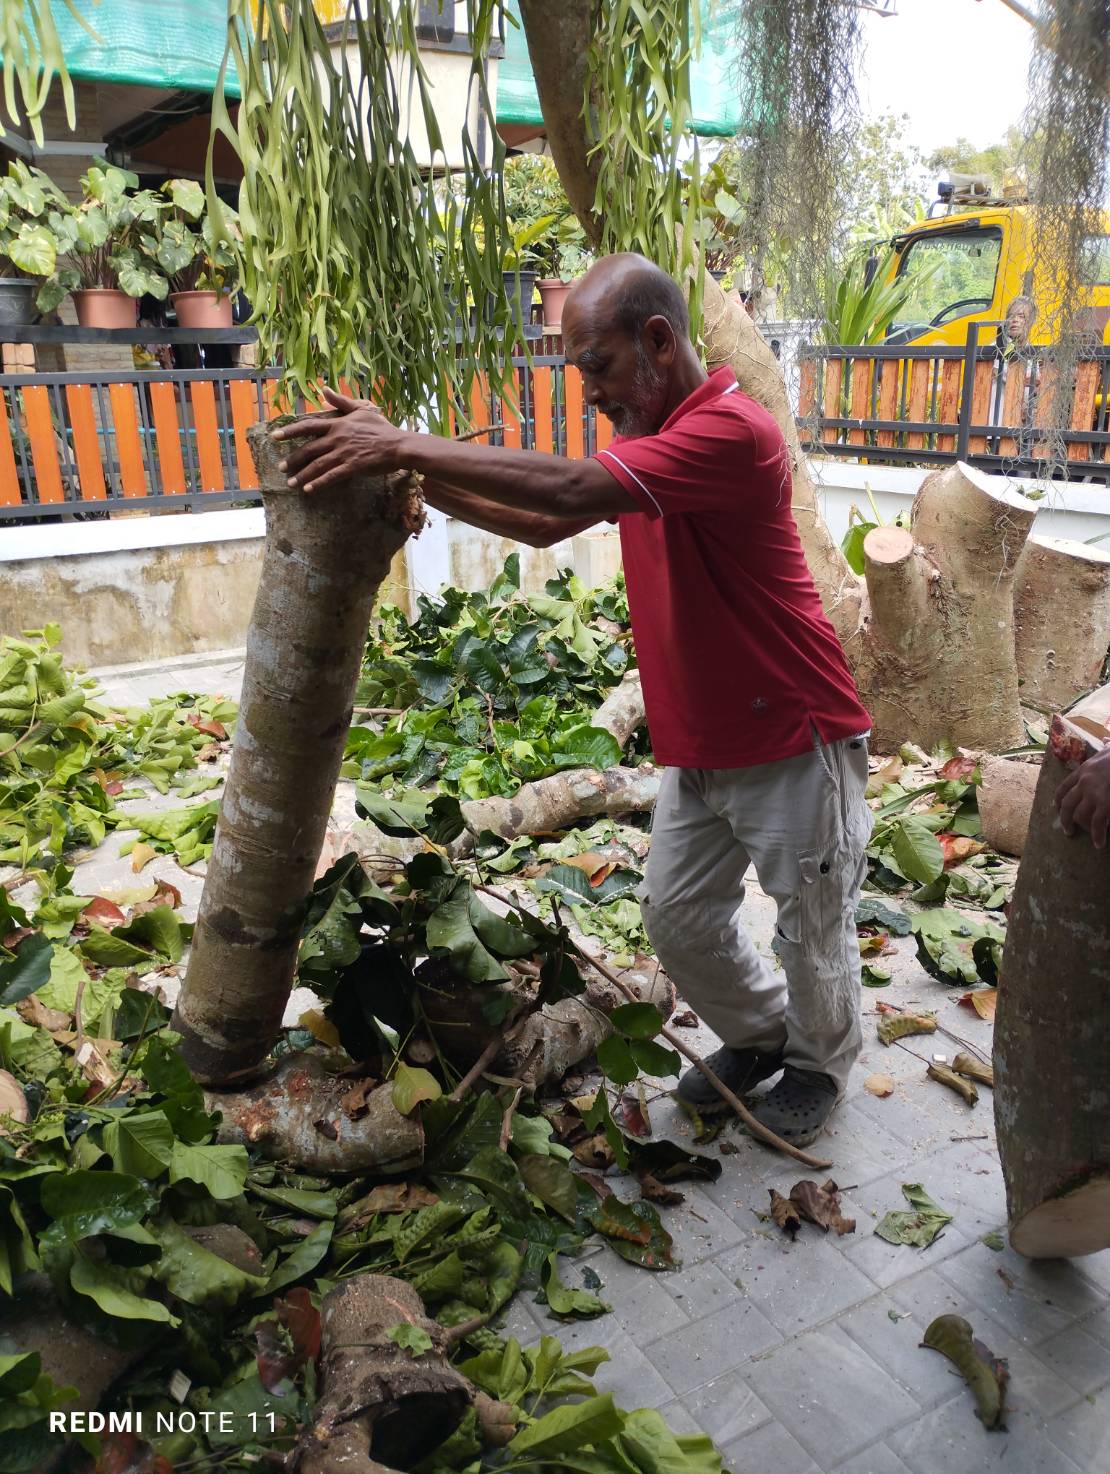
[750, 704]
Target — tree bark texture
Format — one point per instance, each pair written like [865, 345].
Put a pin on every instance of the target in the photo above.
[552, 803]
[1005, 798]
[1052, 1032]
[622, 711]
[321, 1122]
[1062, 611]
[325, 556]
[546, 1043]
[379, 1405]
[936, 661]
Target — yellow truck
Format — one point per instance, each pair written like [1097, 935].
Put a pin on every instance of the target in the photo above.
[973, 260]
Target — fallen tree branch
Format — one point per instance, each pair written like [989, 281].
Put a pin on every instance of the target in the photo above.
[564, 798]
[487, 1056]
[622, 711]
[297, 1114]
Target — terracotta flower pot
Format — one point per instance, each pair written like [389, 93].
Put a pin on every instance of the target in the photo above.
[202, 309]
[553, 293]
[105, 307]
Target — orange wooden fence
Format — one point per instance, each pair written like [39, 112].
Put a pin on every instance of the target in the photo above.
[163, 438]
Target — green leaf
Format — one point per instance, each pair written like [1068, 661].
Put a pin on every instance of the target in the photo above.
[589, 747]
[616, 1061]
[116, 1291]
[187, 195]
[196, 1275]
[220, 1169]
[484, 669]
[305, 1257]
[637, 1020]
[552, 1182]
[566, 1302]
[411, 1086]
[947, 941]
[159, 929]
[654, 1059]
[917, 850]
[918, 1227]
[84, 1203]
[574, 885]
[413, 1339]
[27, 971]
[140, 1143]
[107, 949]
[870, 912]
[567, 1428]
[851, 544]
[450, 929]
[635, 1232]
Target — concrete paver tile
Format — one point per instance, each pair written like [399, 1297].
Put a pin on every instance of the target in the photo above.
[879, 1459]
[1083, 1433]
[952, 1440]
[834, 1398]
[1034, 1301]
[796, 1285]
[708, 1347]
[726, 1408]
[769, 1448]
[892, 1337]
[702, 1293]
[1082, 1361]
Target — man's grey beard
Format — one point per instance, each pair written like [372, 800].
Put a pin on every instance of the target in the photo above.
[635, 418]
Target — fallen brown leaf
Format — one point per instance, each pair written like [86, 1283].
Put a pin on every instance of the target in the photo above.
[355, 1103]
[141, 855]
[597, 868]
[594, 1151]
[897, 1025]
[687, 1019]
[632, 1113]
[821, 1205]
[958, 847]
[319, 1027]
[211, 728]
[209, 752]
[31, 1011]
[785, 1213]
[104, 912]
[983, 1001]
[658, 1192]
[960, 766]
[880, 1085]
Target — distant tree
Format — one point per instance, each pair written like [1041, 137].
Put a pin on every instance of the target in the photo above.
[1015, 155]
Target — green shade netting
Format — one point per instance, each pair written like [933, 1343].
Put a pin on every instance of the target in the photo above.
[713, 85]
[176, 44]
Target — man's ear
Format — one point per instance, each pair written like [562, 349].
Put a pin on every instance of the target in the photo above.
[660, 339]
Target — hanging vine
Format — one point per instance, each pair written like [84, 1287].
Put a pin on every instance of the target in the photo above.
[1069, 118]
[32, 56]
[359, 262]
[638, 101]
[796, 73]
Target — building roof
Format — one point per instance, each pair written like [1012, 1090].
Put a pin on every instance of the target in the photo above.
[712, 85]
[174, 44]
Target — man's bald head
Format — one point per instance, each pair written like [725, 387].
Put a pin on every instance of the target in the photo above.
[630, 290]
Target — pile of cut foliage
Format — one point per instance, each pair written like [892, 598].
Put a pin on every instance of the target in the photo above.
[189, 1269]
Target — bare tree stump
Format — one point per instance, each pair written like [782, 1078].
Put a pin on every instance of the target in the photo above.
[1052, 1033]
[320, 1122]
[379, 1403]
[1062, 616]
[1005, 798]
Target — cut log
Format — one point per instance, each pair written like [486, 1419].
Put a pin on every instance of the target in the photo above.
[1062, 617]
[622, 711]
[1052, 1031]
[553, 803]
[544, 1045]
[325, 556]
[1006, 801]
[297, 1115]
[380, 1405]
[937, 662]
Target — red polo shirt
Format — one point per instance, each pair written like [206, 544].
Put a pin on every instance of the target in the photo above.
[738, 662]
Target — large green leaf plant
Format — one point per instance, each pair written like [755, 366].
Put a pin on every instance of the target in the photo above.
[107, 250]
[36, 222]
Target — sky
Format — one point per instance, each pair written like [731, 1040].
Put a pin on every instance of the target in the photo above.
[958, 68]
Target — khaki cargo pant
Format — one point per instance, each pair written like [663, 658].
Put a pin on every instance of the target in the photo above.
[804, 824]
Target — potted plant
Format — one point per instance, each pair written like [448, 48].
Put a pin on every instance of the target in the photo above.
[534, 195]
[721, 215]
[565, 256]
[202, 268]
[520, 263]
[106, 267]
[36, 223]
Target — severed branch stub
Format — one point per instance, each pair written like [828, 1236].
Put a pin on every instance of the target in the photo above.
[962, 1087]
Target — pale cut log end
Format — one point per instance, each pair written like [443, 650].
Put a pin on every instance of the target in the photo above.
[888, 545]
[1067, 1227]
[1006, 802]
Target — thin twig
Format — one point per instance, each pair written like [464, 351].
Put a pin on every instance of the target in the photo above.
[507, 1119]
[482, 430]
[378, 711]
[488, 1055]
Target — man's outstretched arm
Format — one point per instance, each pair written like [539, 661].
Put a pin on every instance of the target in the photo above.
[533, 528]
[359, 438]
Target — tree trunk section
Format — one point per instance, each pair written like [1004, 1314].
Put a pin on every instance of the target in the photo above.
[320, 1122]
[732, 337]
[1052, 1033]
[325, 557]
[1062, 617]
[564, 798]
[937, 661]
[622, 711]
[545, 1044]
[379, 1404]
[1005, 798]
